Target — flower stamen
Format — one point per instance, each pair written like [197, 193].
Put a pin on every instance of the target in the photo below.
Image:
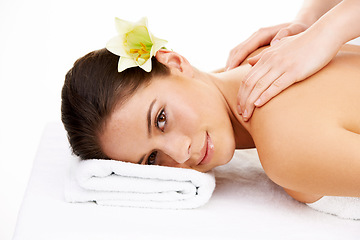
[139, 51]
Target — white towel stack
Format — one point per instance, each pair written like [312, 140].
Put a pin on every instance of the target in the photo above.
[116, 183]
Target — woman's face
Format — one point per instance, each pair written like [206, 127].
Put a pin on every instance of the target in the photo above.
[174, 121]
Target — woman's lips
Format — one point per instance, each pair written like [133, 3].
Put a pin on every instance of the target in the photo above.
[207, 151]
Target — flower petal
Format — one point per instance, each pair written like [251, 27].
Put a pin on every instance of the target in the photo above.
[157, 44]
[123, 26]
[147, 65]
[125, 63]
[115, 45]
[140, 34]
[142, 22]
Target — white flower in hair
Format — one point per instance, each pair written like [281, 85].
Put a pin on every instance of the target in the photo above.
[135, 44]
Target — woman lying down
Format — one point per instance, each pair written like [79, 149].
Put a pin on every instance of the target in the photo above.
[154, 107]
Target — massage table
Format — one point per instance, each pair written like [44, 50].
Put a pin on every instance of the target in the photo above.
[245, 204]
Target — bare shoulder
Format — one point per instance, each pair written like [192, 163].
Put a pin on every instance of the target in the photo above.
[285, 148]
[303, 197]
[284, 152]
[308, 137]
[285, 139]
[309, 158]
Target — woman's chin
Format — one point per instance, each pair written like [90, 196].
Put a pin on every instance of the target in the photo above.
[218, 163]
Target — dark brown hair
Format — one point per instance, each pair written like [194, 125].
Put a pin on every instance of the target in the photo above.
[92, 88]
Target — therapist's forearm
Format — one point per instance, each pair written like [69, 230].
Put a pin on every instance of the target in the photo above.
[340, 24]
[312, 10]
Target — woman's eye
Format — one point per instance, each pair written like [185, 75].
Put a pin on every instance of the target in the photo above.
[152, 159]
[161, 120]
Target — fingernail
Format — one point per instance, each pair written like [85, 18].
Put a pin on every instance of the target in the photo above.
[239, 109]
[257, 103]
[227, 69]
[245, 114]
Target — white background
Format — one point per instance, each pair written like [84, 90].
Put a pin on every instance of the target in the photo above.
[40, 40]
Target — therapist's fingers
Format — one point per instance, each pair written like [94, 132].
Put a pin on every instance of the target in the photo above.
[238, 54]
[280, 84]
[285, 32]
[258, 39]
[260, 87]
[253, 60]
[241, 51]
[290, 30]
[248, 83]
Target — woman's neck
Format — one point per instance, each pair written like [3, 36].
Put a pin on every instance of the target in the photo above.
[228, 84]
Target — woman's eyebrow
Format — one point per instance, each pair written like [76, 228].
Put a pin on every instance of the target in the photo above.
[148, 125]
[149, 117]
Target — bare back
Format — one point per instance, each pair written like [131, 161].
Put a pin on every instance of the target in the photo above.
[308, 137]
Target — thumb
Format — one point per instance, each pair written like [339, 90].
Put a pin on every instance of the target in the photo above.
[255, 59]
[285, 32]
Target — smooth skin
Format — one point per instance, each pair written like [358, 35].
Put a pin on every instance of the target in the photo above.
[310, 132]
[307, 138]
[183, 109]
[298, 50]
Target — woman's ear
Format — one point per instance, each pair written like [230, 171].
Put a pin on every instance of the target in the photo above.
[175, 61]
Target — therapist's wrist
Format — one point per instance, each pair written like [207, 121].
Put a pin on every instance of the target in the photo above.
[326, 37]
[307, 18]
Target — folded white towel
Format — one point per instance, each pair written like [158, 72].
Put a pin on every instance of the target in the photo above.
[116, 183]
[344, 207]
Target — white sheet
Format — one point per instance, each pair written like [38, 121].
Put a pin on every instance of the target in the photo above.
[245, 205]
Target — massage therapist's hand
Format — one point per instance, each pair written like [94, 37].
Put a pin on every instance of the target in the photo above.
[287, 61]
[294, 58]
[262, 37]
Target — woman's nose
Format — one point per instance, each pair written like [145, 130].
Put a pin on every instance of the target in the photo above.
[177, 147]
